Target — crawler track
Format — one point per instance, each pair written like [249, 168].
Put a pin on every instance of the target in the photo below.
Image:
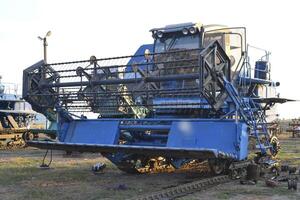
[236, 169]
[187, 188]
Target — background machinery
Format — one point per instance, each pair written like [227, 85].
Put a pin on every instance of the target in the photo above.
[193, 95]
[16, 117]
[294, 127]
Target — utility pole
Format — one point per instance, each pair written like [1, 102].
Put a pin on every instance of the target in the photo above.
[45, 44]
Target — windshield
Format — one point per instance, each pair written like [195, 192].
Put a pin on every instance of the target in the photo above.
[177, 42]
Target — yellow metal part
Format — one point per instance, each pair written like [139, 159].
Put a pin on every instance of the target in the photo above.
[12, 121]
[11, 136]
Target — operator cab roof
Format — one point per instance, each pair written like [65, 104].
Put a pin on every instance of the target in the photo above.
[179, 27]
[174, 27]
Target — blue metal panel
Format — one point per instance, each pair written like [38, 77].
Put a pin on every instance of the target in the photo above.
[62, 130]
[243, 138]
[138, 57]
[92, 132]
[226, 137]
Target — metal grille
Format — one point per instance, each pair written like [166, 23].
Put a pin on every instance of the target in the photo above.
[128, 85]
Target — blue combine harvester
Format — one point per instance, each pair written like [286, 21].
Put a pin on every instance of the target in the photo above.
[192, 95]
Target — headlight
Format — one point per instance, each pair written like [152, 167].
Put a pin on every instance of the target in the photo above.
[192, 30]
[159, 34]
[185, 31]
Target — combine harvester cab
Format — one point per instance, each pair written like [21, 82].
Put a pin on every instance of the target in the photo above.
[190, 96]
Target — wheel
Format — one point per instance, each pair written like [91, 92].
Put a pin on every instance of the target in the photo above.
[28, 136]
[135, 164]
[217, 166]
[128, 163]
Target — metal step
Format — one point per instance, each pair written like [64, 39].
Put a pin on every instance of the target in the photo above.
[263, 146]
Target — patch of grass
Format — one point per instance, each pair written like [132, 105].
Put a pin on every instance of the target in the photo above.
[19, 170]
[16, 170]
[224, 195]
[290, 151]
[71, 178]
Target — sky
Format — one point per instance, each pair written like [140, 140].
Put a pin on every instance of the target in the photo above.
[114, 28]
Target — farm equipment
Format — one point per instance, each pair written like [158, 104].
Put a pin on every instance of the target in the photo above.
[192, 95]
[294, 128]
[274, 128]
[18, 122]
[16, 116]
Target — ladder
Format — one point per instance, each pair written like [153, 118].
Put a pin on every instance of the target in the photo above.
[253, 114]
[214, 59]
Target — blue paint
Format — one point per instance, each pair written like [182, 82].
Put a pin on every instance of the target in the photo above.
[139, 58]
[92, 132]
[208, 135]
[228, 137]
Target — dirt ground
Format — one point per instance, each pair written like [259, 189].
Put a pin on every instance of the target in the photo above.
[72, 178]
